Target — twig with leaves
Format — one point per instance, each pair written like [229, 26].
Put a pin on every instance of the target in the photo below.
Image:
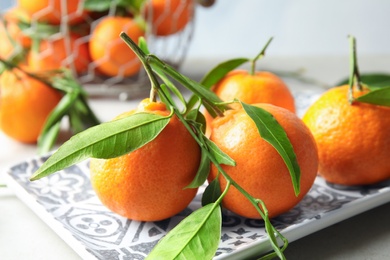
[205, 223]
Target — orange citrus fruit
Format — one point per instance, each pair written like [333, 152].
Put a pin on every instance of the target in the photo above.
[110, 53]
[149, 183]
[68, 51]
[263, 87]
[13, 16]
[259, 169]
[25, 103]
[353, 139]
[168, 16]
[53, 11]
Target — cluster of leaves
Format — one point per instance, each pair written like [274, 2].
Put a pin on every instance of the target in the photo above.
[73, 105]
[122, 136]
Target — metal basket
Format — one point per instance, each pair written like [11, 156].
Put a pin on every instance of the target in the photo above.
[172, 49]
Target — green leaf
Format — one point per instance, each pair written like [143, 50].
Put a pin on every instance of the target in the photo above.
[45, 143]
[107, 140]
[197, 235]
[171, 87]
[196, 116]
[143, 45]
[202, 173]
[380, 96]
[212, 192]
[272, 132]
[215, 75]
[47, 139]
[218, 154]
[75, 121]
[206, 95]
[97, 5]
[371, 79]
[220, 71]
[60, 110]
[105, 5]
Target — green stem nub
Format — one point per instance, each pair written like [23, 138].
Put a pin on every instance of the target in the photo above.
[259, 56]
[354, 76]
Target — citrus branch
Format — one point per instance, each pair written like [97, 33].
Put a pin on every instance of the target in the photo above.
[148, 61]
[142, 57]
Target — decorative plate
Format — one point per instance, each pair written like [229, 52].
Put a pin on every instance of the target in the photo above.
[67, 203]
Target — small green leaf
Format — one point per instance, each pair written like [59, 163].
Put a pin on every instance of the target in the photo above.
[99, 6]
[75, 121]
[218, 154]
[47, 139]
[380, 96]
[61, 109]
[143, 45]
[371, 79]
[202, 173]
[215, 75]
[107, 140]
[272, 132]
[195, 87]
[105, 5]
[212, 192]
[220, 71]
[196, 116]
[197, 235]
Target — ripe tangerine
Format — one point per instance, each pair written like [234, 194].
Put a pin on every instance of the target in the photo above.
[110, 53]
[259, 169]
[168, 16]
[353, 139]
[25, 103]
[149, 183]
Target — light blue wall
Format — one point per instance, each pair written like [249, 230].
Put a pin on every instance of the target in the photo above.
[5, 4]
[299, 27]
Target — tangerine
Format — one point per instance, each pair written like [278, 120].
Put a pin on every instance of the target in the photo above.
[149, 183]
[353, 139]
[110, 53]
[168, 16]
[25, 103]
[260, 170]
[262, 87]
[53, 11]
[65, 51]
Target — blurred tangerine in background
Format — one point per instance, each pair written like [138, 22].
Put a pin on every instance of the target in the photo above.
[25, 103]
[53, 54]
[112, 56]
[168, 17]
[53, 11]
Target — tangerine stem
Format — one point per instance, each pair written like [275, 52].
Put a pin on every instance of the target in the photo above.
[186, 82]
[144, 60]
[354, 76]
[259, 56]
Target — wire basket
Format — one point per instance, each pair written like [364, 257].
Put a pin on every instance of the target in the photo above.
[61, 20]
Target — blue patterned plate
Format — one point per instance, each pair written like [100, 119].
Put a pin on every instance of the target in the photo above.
[68, 204]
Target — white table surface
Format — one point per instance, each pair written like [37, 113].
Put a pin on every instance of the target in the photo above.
[23, 235]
